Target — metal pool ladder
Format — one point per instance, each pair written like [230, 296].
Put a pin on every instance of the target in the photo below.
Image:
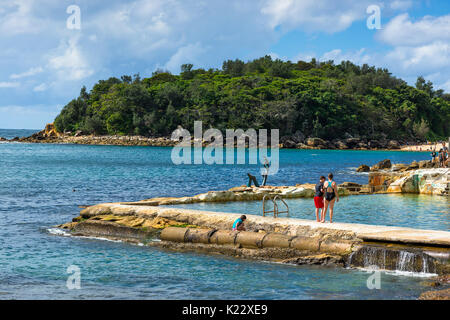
[275, 210]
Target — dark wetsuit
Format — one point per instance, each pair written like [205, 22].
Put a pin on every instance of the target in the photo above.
[319, 188]
[329, 195]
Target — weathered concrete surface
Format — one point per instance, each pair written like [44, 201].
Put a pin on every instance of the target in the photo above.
[287, 226]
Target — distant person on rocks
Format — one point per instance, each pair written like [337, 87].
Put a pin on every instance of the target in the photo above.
[252, 179]
[445, 149]
[433, 156]
[318, 198]
[441, 158]
[238, 225]
[331, 196]
[266, 171]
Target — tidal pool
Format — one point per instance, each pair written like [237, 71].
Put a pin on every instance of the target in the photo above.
[413, 211]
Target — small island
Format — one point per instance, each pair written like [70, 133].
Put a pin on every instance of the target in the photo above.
[315, 105]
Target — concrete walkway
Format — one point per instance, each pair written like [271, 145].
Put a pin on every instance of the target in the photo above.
[222, 220]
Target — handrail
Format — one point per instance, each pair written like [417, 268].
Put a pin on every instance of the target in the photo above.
[275, 210]
[277, 197]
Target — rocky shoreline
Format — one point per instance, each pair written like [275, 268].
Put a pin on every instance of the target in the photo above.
[298, 141]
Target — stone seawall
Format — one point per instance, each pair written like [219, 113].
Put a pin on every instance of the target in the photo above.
[280, 239]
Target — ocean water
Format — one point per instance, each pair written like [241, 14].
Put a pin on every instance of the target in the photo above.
[42, 185]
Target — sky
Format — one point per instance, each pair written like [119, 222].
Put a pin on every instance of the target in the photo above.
[49, 49]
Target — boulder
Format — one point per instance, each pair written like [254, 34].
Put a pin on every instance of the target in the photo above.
[424, 164]
[298, 137]
[341, 145]
[413, 166]
[393, 144]
[352, 142]
[350, 185]
[2, 139]
[315, 142]
[289, 144]
[347, 135]
[374, 144]
[385, 164]
[399, 167]
[302, 146]
[363, 168]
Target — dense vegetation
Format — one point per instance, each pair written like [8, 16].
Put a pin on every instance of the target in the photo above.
[317, 99]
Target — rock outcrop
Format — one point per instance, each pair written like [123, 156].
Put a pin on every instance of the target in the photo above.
[424, 181]
[384, 164]
[363, 168]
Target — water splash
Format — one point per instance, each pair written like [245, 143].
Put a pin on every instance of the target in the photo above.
[398, 260]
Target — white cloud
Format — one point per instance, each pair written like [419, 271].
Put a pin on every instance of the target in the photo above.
[28, 73]
[427, 58]
[40, 88]
[402, 31]
[420, 47]
[188, 54]
[9, 84]
[69, 63]
[329, 16]
[401, 4]
[16, 17]
[359, 57]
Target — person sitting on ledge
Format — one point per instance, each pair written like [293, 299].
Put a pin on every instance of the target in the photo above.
[238, 225]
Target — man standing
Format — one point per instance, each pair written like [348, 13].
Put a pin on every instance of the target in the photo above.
[265, 171]
[318, 197]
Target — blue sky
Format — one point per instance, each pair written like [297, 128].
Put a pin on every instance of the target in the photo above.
[43, 64]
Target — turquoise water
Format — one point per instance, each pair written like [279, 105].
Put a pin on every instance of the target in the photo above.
[414, 211]
[41, 186]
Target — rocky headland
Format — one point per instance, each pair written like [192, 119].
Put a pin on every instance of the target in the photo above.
[297, 141]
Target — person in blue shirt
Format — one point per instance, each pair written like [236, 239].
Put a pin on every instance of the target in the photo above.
[238, 225]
